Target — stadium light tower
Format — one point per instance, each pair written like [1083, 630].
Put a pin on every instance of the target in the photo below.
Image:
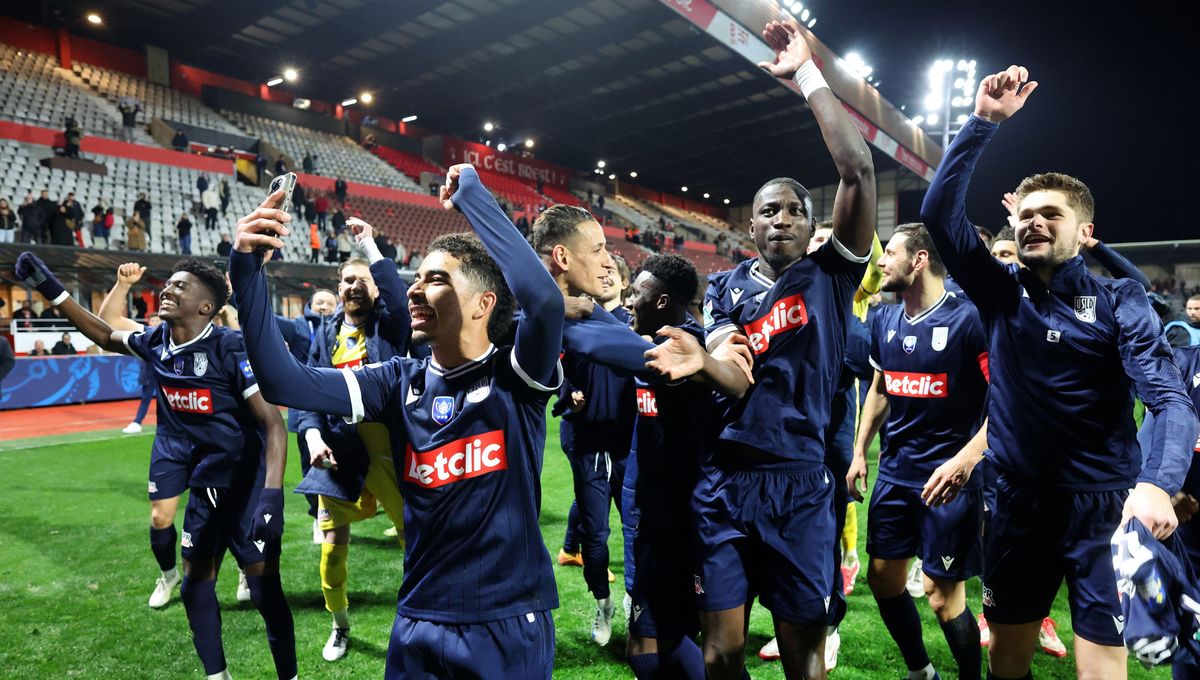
[951, 95]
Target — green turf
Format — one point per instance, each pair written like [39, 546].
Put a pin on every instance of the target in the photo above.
[77, 572]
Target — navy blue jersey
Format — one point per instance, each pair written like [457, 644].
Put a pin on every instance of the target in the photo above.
[203, 385]
[472, 440]
[675, 422]
[934, 368]
[1160, 601]
[1063, 358]
[468, 440]
[797, 330]
[606, 421]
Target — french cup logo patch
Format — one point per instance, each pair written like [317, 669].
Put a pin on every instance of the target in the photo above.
[443, 409]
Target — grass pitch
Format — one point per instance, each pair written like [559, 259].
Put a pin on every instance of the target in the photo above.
[77, 571]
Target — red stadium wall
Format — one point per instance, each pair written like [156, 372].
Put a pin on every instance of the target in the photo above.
[191, 80]
[108, 56]
[112, 147]
[27, 36]
[527, 170]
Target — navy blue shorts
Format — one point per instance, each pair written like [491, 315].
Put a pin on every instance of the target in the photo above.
[767, 531]
[664, 593]
[946, 537]
[516, 648]
[988, 469]
[216, 519]
[170, 466]
[1035, 539]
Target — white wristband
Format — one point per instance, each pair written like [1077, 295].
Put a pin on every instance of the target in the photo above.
[809, 79]
[62, 297]
[371, 250]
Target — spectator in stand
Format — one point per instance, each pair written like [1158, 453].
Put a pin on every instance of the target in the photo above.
[223, 195]
[591, 197]
[314, 242]
[523, 225]
[55, 316]
[139, 307]
[541, 186]
[339, 221]
[201, 185]
[1185, 331]
[225, 246]
[339, 190]
[135, 232]
[344, 245]
[74, 209]
[310, 212]
[99, 228]
[211, 202]
[401, 253]
[331, 254]
[321, 204]
[49, 208]
[63, 347]
[184, 227]
[678, 241]
[62, 228]
[260, 165]
[385, 247]
[32, 220]
[73, 137]
[280, 166]
[414, 262]
[129, 110]
[299, 201]
[308, 164]
[180, 141]
[24, 315]
[600, 202]
[142, 208]
[8, 222]
[39, 349]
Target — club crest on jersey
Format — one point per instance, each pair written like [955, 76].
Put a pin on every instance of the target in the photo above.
[1085, 308]
[443, 409]
[479, 391]
[199, 364]
[891, 334]
[910, 343]
[940, 335]
[178, 365]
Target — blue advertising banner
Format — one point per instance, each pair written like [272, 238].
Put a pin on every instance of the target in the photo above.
[52, 381]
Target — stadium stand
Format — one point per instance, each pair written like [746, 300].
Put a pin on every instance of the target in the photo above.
[157, 101]
[410, 164]
[34, 91]
[337, 156]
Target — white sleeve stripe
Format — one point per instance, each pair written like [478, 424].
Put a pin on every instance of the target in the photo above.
[512, 358]
[845, 252]
[717, 335]
[357, 412]
[125, 341]
[250, 391]
[875, 364]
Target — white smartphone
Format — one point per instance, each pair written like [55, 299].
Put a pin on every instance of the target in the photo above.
[287, 182]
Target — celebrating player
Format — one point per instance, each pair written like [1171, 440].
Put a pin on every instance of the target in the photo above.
[930, 358]
[215, 427]
[1065, 348]
[478, 588]
[764, 503]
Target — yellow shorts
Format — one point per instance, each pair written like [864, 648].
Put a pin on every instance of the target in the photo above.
[380, 489]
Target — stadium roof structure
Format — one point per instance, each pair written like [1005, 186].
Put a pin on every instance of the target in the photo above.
[666, 88]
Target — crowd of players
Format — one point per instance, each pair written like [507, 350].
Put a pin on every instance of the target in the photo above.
[732, 443]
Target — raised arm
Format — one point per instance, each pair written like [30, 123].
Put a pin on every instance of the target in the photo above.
[854, 205]
[1115, 263]
[539, 336]
[395, 324]
[944, 210]
[30, 269]
[283, 380]
[112, 308]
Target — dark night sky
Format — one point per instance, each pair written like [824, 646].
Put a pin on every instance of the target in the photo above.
[1109, 108]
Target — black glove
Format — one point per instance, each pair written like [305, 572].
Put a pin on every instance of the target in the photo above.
[268, 516]
[37, 275]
